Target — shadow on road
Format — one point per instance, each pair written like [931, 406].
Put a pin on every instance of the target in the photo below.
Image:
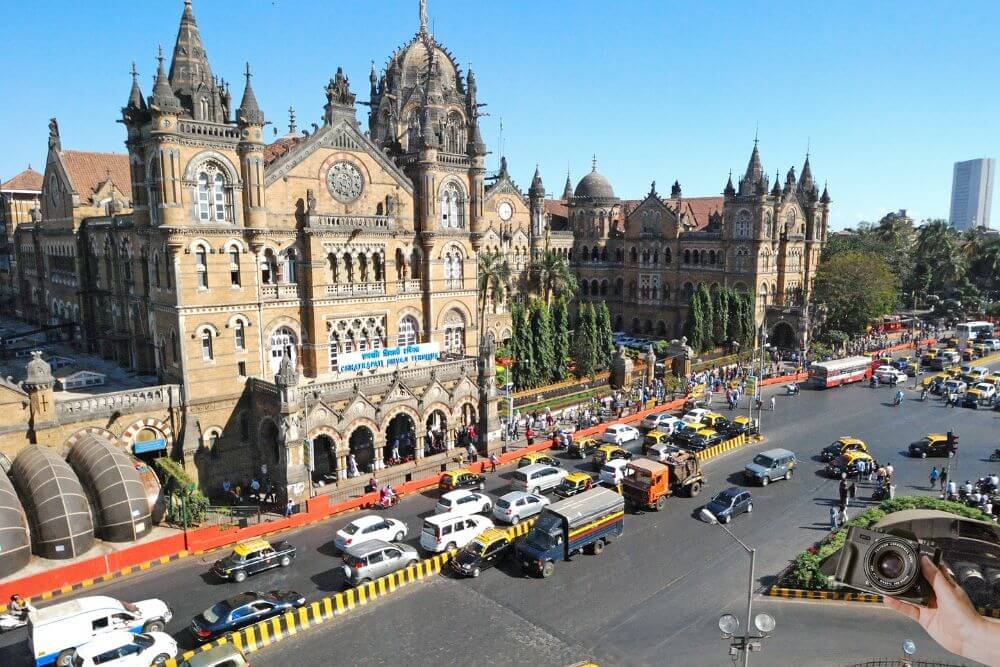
[329, 581]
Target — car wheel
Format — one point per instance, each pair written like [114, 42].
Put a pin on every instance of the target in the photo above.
[727, 518]
[240, 576]
[514, 520]
[694, 489]
[451, 546]
[764, 481]
[475, 572]
[547, 569]
[750, 508]
[598, 547]
[411, 563]
[399, 537]
[153, 626]
[481, 486]
[661, 502]
[65, 658]
[285, 561]
[788, 474]
[161, 659]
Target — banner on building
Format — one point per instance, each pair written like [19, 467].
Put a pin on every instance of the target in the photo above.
[388, 358]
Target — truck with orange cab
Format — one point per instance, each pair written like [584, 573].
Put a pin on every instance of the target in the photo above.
[651, 481]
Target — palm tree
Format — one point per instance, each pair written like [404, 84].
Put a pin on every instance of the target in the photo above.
[939, 252]
[494, 282]
[550, 276]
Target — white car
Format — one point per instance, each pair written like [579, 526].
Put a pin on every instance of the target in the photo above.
[370, 527]
[979, 372]
[463, 502]
[986, 390]
[695, 416]
[661, 421]
[516, 505]
[993, 343]
[620, 433]
[888, 374]
[614, 471]
[121, 648]
[444, 532]
[662, 452]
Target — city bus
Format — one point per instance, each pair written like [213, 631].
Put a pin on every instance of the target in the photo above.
[834, 373]
[971, 331]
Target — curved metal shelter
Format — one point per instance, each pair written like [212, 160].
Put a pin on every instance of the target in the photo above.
[15, 540]
[111, 480]
[56, 505]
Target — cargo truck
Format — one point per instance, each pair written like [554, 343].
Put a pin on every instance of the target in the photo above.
[650, 482]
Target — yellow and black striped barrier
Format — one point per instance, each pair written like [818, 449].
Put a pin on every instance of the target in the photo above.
[722, 447]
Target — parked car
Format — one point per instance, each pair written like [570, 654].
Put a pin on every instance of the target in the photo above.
[660, 421]
[770, 465]
[121, 648]
[444, 532]
[251, 557]
[368, 561]
[463, 503]
[242, 610]
[486, 551]
[517, 505]
[370, 527]
[728, 503]
[620, 433]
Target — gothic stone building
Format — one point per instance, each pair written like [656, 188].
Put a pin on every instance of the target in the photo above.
[254, 275]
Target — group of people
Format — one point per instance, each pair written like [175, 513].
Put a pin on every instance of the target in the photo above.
[259, 489]
[983, 494]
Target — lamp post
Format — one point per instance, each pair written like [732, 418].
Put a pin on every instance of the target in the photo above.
[728, 623]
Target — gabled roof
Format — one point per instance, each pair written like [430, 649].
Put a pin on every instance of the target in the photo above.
[700, 209]
[28, 180]
[88, 171]
[279, 147]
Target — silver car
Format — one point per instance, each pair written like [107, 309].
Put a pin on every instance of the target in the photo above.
[370, 560]
[517, 505]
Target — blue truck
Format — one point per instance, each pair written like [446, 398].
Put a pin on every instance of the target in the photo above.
[584, 522]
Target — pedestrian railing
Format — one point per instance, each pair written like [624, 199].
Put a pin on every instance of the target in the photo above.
[239, 516]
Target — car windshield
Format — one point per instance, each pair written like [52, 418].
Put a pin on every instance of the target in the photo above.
[218, 611]
[130, 607]
[476, 548]
[144, 641]
[724, 497]
[763, 460]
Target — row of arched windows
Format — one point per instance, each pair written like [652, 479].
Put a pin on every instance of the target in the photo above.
[356, 267]
[704, 257]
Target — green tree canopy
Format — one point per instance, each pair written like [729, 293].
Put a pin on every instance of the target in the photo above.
[550, 276]
[605, 344]
[560, 339]
[693, 325]
[857, 288]
[541, 339]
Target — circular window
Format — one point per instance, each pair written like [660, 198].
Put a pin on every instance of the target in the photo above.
[505, 210]
[344, 181]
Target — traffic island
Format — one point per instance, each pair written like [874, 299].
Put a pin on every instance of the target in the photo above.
[803, 579]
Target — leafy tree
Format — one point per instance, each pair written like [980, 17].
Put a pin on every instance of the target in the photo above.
[693, 323]
[521, 347]
[939, 261]
[749, 322]
[541, 339]
[893, 240]
[551, 276]
[734, 317]
[707, 316]
[494, 281]
[720, 315]
[560, 339]
[605, 343]
[857, 288]
[584, 349]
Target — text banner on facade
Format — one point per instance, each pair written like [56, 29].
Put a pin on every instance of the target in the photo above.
[388, 358]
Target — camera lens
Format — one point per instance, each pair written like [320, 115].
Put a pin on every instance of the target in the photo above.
[891, 565]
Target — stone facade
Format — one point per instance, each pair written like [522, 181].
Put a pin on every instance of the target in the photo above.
[19, 196]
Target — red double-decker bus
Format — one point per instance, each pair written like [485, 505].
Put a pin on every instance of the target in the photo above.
[834, 373]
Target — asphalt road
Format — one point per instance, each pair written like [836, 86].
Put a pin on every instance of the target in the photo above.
[652, 597]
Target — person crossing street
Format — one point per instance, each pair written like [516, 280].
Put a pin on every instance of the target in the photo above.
[934, 476]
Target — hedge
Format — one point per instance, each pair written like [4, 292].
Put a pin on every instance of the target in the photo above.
[805, 570]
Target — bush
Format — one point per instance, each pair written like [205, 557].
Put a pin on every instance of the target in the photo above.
[805, 570]
[183, 496]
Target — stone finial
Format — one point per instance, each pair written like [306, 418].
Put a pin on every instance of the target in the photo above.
[39, 372]
[287, 375]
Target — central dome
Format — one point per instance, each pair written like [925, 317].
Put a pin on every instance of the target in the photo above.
[594, 186]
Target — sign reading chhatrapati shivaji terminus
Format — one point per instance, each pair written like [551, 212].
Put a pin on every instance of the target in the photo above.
[388, 357]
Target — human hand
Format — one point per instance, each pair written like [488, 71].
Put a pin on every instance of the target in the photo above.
[951, 619]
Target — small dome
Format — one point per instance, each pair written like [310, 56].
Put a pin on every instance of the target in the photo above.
[594, 186]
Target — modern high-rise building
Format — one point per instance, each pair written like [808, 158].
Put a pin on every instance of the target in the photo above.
[972, 193]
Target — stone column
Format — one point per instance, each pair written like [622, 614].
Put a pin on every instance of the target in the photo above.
[418, 445]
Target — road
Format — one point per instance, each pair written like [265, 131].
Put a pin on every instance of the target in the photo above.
[650, 598]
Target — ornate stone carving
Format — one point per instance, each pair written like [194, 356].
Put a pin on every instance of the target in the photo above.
[345, 182]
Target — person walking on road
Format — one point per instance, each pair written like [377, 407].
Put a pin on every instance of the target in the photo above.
[833, 518]
[843, 518]
[852, 492]
[772, 403]
[844, 488]
[934, 476]
[944, 478]
[493, 462]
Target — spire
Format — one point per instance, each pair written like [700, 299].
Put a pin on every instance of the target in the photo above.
[593, 162]
[825, 197]
[373, 80]
[189, 68]
[729, 190]
[293, 128]
[249, 112]
[806, 183]
[568, 190]
[135, 100]
[163, 97]
[776, 190]
[755, 171]
[423, 17]
[536, 188]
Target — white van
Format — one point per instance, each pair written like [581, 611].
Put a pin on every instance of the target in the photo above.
[443, 532]
[54, 632]
[613, 472]
[537, 478]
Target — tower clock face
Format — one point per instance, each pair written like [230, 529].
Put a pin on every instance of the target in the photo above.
[505, 210]
[344, 181]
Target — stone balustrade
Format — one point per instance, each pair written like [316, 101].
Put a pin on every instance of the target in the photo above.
[279, 292]
[355, 289]
[124, 402]
[385, 222]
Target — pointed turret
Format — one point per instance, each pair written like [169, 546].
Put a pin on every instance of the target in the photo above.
[189, 68]
[729, 190]
[163, 98]
[790, 181]
[135, 99]
[249, 112]
[806, 183]
[373, 81]
[568, 190]
[754, 181]
[536, 189]
[825, 197]
[776, 190]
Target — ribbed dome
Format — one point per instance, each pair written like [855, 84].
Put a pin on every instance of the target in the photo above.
[594, 186]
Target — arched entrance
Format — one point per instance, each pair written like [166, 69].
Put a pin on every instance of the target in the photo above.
[324, 459]
[362, 446]
[437, 435]
[269, 445]
[401, 436]
[783, 336]
[149, 445]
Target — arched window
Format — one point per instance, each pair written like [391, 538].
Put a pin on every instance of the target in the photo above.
[584, 288]
[666, 256]
[201, 266]
[454, 333]
[604, 288]
[704, 257]
[595, 254]
[212, 195]
[413, 130]
[455, 134]
[234, 267]
[282, 343]
[666, 292]
[175, 354]
[334, 341]
[585, 254]
[711, 257]
[206, 345]
[156, 269]
[688, 290]
[153, 189]
[269, 268]
[767, 225]
[742, 225]
[687, 256]
[618, 287]
[694, 256]
[407, 331]
[604, 254]
[619, 255]
[289, 266]
[452, 207]
[633, 255]
[240, 333]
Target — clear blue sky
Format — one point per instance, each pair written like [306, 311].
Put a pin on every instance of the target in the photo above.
[889, 94]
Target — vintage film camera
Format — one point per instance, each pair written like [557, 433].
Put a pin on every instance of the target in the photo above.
[884, 564]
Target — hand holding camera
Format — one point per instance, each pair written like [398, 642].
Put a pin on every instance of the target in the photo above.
[885, 564]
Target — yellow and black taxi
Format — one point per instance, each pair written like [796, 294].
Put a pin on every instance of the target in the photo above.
[981, 393]
[950, 342]
[934, 444]
[848, 463]
[932, 381]
[703, 439]
[583, 447]
[485, 551]
[607, 453]
[982, 349]
[930, 355]
[532, 458]
[461, 479]
[251, 557]
[714, 420]
[574, 483]
[741, 425]
[993, 380]
[654, 438]
[841, 446]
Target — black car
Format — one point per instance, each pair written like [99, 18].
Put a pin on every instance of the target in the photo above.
[484, 552]
[242, 610]
[933, 445]
[252, 557]
[727, 504]
[581, 449]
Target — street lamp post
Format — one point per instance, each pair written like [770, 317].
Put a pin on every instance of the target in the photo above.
[728, 623]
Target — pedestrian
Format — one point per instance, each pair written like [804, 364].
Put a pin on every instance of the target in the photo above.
[833, 518]
[255, 489]
[889, 470]
[934, 476]
[772, 403]
[530, 435]
[852, 493]
[843, 488]
[289, 508]
[843, 515]
[471, 451]
[494, 459]
[352, 466]
[394, 455]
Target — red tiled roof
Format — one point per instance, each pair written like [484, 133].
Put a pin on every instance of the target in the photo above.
[89, 170]
[29, 179]
[556, 207]
[700, 209]
[275, 150]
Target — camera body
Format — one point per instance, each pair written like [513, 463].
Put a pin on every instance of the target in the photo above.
[885, 564]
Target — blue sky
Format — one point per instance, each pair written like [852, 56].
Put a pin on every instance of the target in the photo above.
[888, 94]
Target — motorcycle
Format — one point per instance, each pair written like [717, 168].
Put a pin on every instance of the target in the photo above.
[792, 390]
[881, 492]
[995, 456]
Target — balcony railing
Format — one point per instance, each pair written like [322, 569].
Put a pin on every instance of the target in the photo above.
[123, 402]
[453, 159]
[212, 130]
[279, 292]
[355, 289]
[386, 222]
[408, 286]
